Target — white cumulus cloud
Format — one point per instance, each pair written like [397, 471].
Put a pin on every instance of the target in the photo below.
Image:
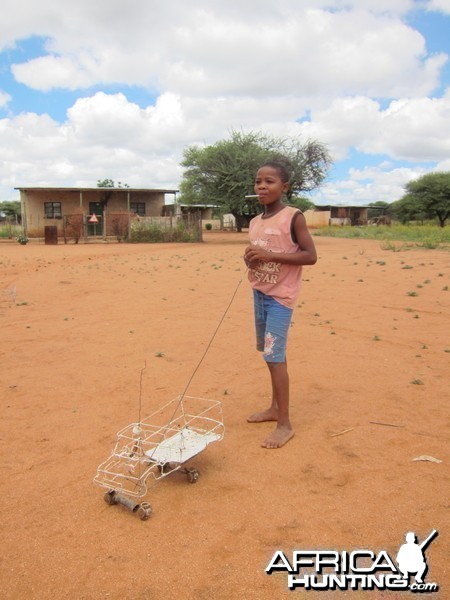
[350, 73]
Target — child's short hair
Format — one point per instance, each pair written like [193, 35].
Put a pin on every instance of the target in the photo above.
[280, 167]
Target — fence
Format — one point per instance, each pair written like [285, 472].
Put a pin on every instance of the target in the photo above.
[126, 226]
[166, 229]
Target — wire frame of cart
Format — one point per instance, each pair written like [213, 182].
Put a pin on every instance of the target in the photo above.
[161, 444]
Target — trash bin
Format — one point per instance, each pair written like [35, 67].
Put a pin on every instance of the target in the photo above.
[51, 234]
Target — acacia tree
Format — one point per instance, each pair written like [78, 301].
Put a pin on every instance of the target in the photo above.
[109, 183]
[428, 196]
[223, 174]
[407, 209]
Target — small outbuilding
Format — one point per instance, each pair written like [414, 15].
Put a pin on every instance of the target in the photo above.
[345, 215]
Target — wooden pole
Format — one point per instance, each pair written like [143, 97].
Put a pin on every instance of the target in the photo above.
[129, 215]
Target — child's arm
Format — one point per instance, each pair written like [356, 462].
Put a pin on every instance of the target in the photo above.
[306, 254]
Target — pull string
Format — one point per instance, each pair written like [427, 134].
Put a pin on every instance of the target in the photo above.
[140, 391]
[137, 447]
[211, 341]
[180, 401]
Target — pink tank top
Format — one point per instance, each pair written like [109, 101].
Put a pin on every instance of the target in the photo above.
[280, 281]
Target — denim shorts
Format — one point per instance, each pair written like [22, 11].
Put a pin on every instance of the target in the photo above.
[272, 321]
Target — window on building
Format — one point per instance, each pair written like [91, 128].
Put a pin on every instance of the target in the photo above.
[52, 210]
[138, 208]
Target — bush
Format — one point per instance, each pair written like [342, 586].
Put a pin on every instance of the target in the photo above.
[118, 225]
[73, 228]
[152, 233]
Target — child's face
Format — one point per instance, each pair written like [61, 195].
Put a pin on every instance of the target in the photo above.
[269, 185]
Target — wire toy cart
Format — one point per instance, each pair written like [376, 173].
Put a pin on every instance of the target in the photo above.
[158, 446]
[161, 444]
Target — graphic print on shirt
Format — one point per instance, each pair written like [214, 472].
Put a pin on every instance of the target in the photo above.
[266, 272]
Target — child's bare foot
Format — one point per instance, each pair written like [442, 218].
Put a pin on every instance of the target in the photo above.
[263, 416]
[279, 437]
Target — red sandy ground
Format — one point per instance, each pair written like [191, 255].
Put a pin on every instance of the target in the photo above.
[77, 324]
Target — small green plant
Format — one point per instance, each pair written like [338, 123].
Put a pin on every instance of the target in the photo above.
[413, 294]
[417, 382]
[208, 226]
[22, 239]
[388, 245]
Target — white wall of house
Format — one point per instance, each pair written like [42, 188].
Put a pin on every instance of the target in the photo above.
[317, 218]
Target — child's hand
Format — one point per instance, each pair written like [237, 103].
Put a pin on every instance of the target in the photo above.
[254, 255]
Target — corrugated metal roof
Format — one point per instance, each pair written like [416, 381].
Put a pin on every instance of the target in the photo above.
[93, 189]
[327, 206]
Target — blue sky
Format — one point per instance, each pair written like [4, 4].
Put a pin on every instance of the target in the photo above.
[118, 90]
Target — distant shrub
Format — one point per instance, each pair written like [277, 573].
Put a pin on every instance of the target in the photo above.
[73, 228]
[118, 226]
[151, 233]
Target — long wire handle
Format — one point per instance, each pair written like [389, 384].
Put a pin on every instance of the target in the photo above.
[140, 391]
[180, 401]
[210, 342]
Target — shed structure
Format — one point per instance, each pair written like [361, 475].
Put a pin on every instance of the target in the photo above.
[344, 215]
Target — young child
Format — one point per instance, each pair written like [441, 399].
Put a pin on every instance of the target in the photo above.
[280, 244]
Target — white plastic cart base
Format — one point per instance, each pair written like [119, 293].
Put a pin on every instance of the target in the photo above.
[158, 446]
[182, 446]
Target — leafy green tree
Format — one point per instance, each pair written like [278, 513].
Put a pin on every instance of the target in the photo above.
[109, 183]
[302, 203]
[406, 209]
[429, 196]
[11, 208]
[223, 174]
